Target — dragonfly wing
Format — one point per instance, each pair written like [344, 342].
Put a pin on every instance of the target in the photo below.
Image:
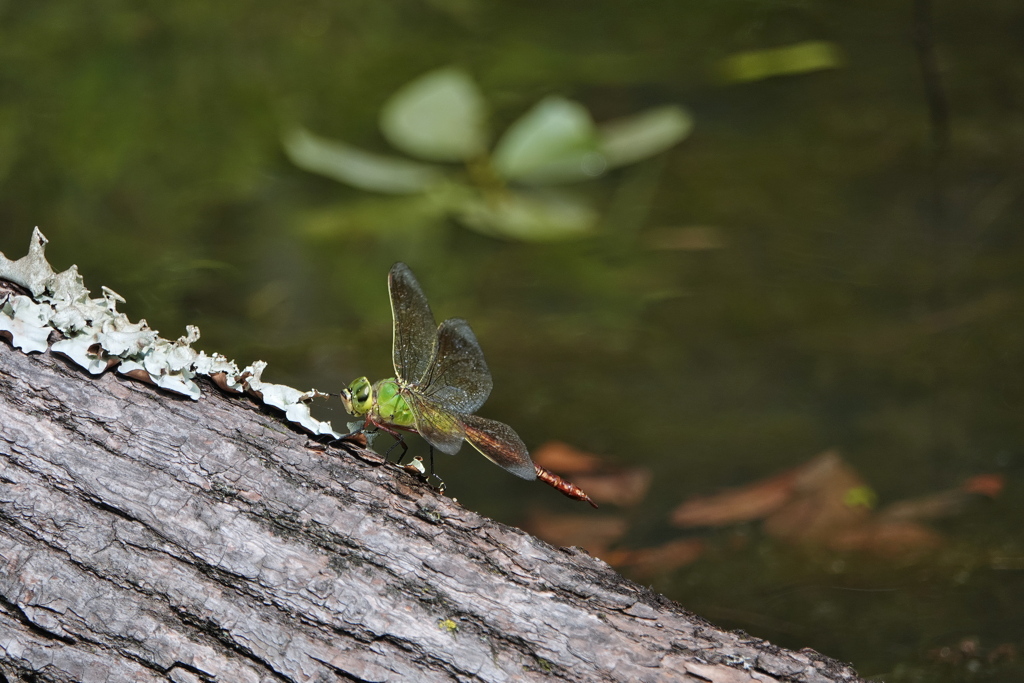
[414, 328]
[458, 378]
[442, 429]
[500, 444]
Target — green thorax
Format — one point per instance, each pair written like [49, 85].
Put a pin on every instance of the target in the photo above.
[389, 406]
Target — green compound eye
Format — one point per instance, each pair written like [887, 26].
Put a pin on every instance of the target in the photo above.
[357, 398]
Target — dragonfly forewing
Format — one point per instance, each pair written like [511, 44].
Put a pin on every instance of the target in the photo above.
[415, 334]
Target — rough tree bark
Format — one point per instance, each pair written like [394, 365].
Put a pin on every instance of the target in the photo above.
[147, 537]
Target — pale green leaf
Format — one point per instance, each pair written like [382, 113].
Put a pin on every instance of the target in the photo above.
[358, 168]
[755, 65]
[553, 142]
[440, 116]
[531, 217]
[628, 140]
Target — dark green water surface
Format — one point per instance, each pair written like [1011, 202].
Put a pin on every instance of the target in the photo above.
[850, 274]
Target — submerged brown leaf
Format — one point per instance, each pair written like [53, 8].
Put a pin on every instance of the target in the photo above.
[645, 562]
[944, 503]
[825, 502]
[567, 460]
[932, 506]
[990, 485]
[624, 488]
[820, 489]
[821, 503]
[593, 533]
[886, 538]
[736, 505]
[603, 482]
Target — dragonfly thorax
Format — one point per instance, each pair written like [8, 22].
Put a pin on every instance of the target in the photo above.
[382, 402]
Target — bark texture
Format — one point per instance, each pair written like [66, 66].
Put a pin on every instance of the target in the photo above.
[146, 537]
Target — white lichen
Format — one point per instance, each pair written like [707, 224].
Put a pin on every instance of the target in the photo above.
[32, 271]
[73, 310]
[86, 351]
[97, 337]
[223, 371]
[25, 323]
[292, 401]
[168, 364]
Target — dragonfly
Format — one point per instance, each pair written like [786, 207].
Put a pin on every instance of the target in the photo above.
[441, 380]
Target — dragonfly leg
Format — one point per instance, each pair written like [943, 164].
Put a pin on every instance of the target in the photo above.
[365, 429]
[433, 475]
[399, 441]
[343, 437]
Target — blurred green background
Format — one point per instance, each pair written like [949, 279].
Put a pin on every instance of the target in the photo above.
[834, 258]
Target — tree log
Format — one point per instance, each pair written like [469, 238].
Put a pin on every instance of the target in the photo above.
[149, 537]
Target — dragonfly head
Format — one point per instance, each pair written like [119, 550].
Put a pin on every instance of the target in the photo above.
[358, 397]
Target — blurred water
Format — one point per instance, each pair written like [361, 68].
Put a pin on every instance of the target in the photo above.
[833, 259]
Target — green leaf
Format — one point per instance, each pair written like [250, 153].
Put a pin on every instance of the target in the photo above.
[529, 217]
[553, 142]
[755, 65]
[440, 116]
[357, 168]
[628, 140]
